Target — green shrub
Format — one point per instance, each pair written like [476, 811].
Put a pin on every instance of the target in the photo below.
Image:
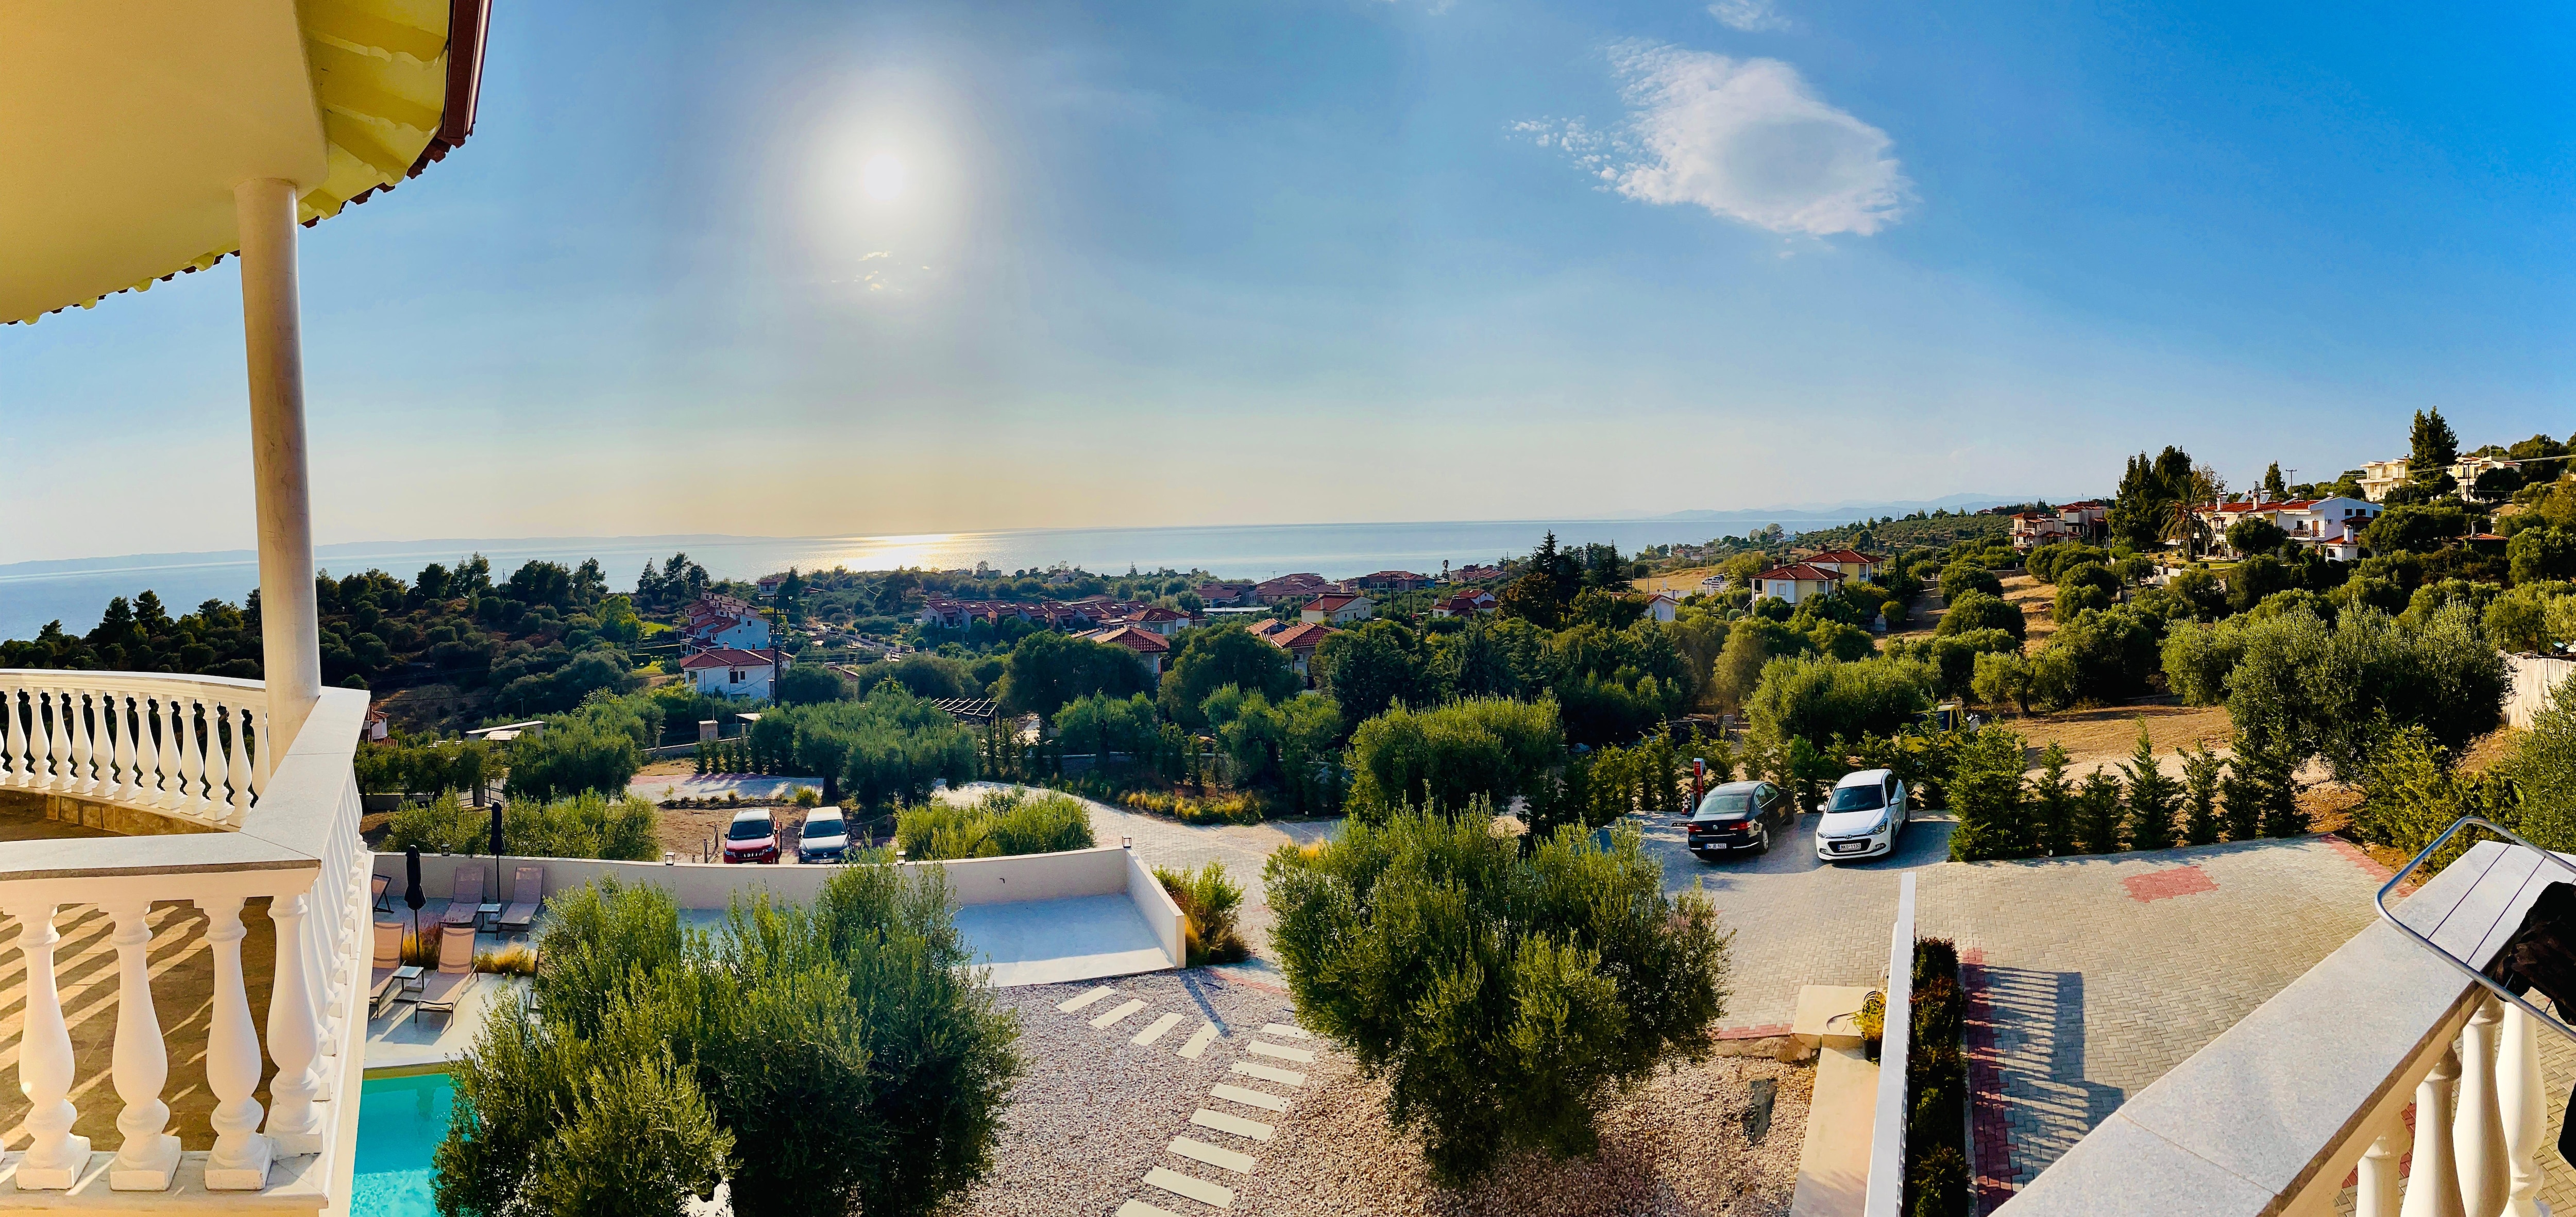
[1001, 824]
[1986, 794]
[587, 825]
[1209, 902]
[1506, 999]
[1979, 610]
[573, 755]
[1960, 578]
[1449, 756]
[1818, 699]
[2152, 798]
[1936, 1082]
[707, 1056]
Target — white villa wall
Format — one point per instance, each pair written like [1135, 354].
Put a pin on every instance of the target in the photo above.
[2536, 680]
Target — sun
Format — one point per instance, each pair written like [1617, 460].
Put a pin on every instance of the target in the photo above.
[883, 177]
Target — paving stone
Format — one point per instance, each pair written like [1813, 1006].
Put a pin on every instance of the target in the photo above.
[1156, 1030]
[1198, 1041]
[1285, 1032]
[1216, 1195]
[1122, 1010]
[1086, 999]
[1250, 1130]
[1249, 1098]
[1284, 1077]
[1299, 1055]
[1196, 1150]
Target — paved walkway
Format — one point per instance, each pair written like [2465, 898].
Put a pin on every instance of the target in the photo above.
[2089, 978]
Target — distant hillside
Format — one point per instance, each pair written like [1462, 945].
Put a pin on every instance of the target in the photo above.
[1932, 532]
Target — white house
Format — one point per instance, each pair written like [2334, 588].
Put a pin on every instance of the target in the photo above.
[1794, 583]
[1339, 608]
[1662, 606]
[748, 633]
[2332, 526]
[2380, 477]
[728, 672]
[1464, 604]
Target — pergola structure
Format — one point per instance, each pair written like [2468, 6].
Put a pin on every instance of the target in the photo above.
[140, 140]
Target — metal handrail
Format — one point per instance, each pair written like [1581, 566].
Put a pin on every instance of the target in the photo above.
[2425, 855]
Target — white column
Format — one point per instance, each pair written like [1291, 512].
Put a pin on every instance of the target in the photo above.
[55, 1158]
[2477, 1127]
[241, 1155]
[2433, 1178]
[2524, 1106]
[290, 633]
[149, 1158]
[2376, 1195]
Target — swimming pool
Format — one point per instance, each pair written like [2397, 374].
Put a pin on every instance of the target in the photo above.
[400, 1123]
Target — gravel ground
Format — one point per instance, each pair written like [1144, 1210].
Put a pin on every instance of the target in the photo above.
[1677, 1147]
[1095, 1111]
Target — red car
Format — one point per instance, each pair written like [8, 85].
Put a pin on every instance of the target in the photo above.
[752, 837]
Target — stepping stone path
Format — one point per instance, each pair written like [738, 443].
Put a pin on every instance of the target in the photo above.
[1232, 1153]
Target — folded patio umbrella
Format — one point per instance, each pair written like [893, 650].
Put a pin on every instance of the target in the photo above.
[497, 850]
[412, 896]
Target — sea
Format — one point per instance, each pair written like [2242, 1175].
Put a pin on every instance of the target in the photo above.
[75, 591]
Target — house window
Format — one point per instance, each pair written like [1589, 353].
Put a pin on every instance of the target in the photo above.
[737, 676]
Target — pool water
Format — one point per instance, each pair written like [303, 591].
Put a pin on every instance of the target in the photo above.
[400, 1123]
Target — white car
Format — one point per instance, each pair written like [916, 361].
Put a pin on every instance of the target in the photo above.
[1863, 817]
[825, 836]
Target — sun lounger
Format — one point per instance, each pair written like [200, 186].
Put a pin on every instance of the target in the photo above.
[528, 886]
[454, 976]
[383, 988]
[382, 889]
[463, 906]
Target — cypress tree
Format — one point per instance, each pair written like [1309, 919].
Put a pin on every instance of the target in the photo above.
[2052, 805]
[2097, 814]
[2152, 797]
[2201, 770]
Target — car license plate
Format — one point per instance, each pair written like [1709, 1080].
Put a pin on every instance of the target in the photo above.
[1850, 847]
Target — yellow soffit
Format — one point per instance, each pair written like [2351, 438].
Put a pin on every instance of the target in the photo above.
[383, 79]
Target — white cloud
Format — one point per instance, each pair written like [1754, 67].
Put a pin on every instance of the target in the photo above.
[1748, 15]
[1744, 138]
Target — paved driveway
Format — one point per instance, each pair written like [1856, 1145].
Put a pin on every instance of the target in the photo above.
[1797, 920]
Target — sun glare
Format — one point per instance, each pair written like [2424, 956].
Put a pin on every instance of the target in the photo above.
[882, 177]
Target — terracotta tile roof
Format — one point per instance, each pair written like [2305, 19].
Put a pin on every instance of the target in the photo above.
[726, 657]
[1332, 603]
[1143, 642]
[1843, 555]
[1800, 571]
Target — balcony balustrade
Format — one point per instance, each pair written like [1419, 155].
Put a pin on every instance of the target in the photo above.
[250, 823]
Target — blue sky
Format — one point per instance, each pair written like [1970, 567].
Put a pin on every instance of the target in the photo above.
[1363, 260]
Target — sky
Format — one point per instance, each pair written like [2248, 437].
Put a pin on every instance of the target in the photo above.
[921, 265]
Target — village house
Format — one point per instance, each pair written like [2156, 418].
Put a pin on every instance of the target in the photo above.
[2380, 477]
[1846, 563]
[1224, 593]
[731, 672]
[1463, 604]
[1390, 581]
[1476, 574]
[1290, 587]
[2086, 521]
[1795, 583]
[1663, 606]
[1336, 609]
[1300, 639]
[1157, 619]
[2332, 526]
[1148, 646]
[716, 620]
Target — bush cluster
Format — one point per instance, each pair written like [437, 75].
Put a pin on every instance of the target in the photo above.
[2003, 814]
[833, 1059]
[586, 825]
[1936, 1086]
[1001, 824]
[1209, 904]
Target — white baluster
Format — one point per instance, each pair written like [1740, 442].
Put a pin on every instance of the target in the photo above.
[294, 1039]
[57, 757]
[2520, 1096]
[125, 787]
[2376, 1196]
[188, 766]
[13, 757]
[173, 788]
[55, 1158]
[237, 767]
[2433, 1183]
[241, 1155]
[84, 751]
[149, 1158]
[2477, 1127]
